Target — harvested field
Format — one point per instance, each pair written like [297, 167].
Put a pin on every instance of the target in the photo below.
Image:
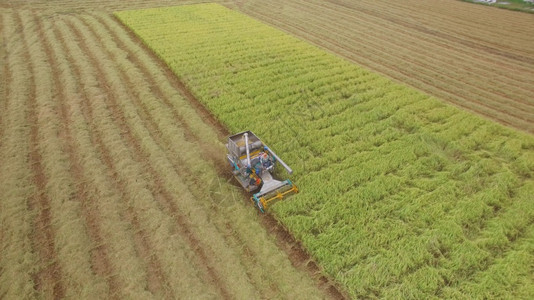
[113, 181]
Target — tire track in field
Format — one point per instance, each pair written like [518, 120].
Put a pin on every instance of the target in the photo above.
[159, 190]
[452, 97]
[100, 253]
[298, 257]
[48, 279]
[141, 241]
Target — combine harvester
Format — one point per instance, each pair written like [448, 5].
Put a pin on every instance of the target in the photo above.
[252, 164]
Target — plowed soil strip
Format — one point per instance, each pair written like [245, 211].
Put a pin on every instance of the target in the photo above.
[49, 277]
[183, 225]
[100, 256]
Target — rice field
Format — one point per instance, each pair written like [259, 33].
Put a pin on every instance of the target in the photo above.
[402, 196]
[113, 180]
[110, 183]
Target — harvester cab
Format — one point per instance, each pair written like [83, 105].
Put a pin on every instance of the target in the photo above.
[252, 164]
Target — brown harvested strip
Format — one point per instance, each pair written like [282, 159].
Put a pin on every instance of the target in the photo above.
[140, 238]
[191, 134]
[470, 43]
[100, 254]
[503, 34]
[155, 87]
[157, 277]
[183, 224]
[106, 106]
[4, 82]
[48, 279]
[449, 26]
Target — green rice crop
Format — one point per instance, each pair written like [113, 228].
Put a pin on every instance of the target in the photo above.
[402, 195]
